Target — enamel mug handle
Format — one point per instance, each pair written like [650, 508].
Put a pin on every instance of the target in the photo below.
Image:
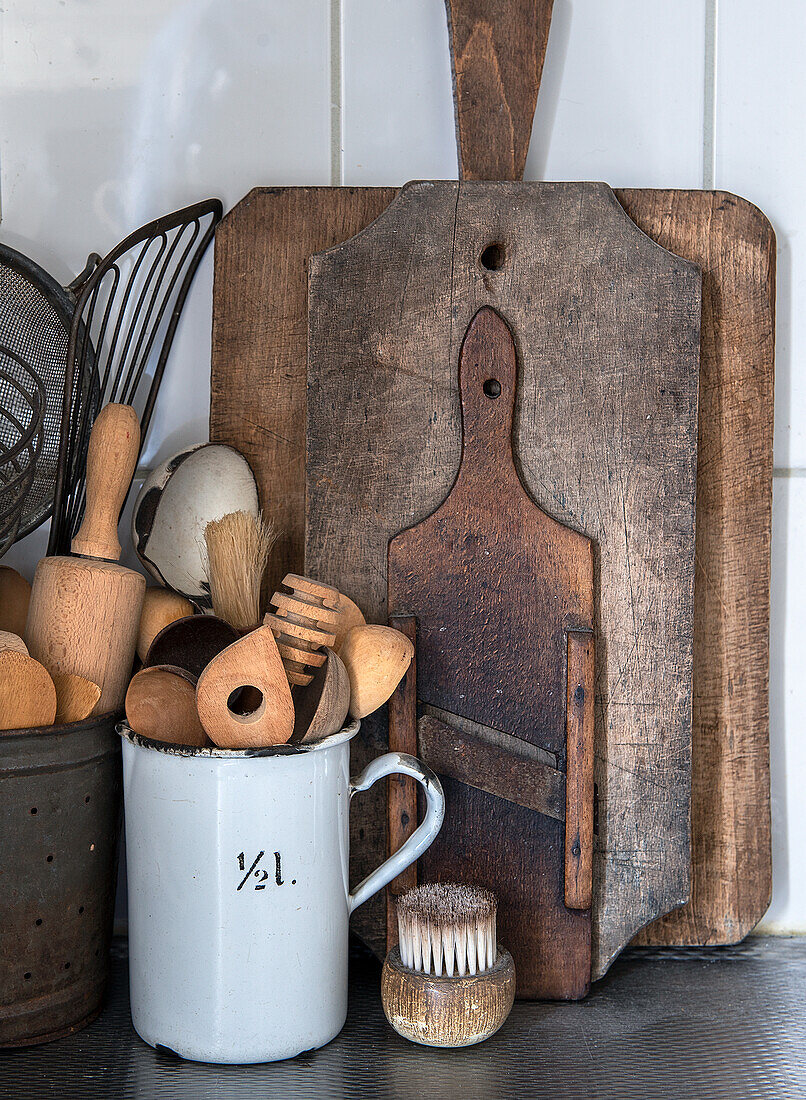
[394, 763]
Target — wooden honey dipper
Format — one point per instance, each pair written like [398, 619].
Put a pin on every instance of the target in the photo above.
[306, 622]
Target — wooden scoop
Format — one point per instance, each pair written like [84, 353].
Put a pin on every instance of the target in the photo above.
[350, 615]
[13, 642]
[376, 658]
[161, 703]
[191, 643]
[27, 694]
[15, 593]
[252, 662]
[161, 607]
[322, 706]
[76, 697]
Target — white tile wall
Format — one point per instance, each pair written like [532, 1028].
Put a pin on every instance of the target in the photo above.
[113, 112]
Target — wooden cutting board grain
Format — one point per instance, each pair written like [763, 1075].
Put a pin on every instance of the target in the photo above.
[608, 331]
[260, 338]
[731, 859]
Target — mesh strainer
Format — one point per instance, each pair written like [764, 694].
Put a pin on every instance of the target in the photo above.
[35, 318]
[22, 406]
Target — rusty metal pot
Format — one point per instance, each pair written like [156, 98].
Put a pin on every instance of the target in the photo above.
[60, 811]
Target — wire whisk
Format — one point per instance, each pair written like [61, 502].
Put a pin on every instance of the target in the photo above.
[126, 316]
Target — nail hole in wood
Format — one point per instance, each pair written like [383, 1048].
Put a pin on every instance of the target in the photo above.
[492, 387]
[493, 256]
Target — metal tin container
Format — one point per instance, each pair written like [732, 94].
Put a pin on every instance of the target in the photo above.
[60, 811]
[239, 898]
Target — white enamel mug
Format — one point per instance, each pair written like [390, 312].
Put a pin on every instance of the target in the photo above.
[239, 899]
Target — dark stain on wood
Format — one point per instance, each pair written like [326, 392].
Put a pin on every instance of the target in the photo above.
[496, 584]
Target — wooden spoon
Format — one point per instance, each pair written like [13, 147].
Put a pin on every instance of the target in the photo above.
[161, 607]
[15, 594]
[191, 643]
[321, 707]
[13, 642]
[376, 658]
[161, 703]
[350, 615]
[76, 697]
[27, 694]
[253, 662]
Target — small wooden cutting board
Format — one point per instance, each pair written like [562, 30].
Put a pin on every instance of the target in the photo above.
[503, 598]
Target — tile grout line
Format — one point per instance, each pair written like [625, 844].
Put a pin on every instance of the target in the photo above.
[336, 166]
[788, 471]
[709, 96]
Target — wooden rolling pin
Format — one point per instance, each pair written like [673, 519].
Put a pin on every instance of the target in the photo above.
[85, 610]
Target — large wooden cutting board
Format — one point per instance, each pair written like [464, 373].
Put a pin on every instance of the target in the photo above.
[731, 859]
[608, 332]
[259, 356]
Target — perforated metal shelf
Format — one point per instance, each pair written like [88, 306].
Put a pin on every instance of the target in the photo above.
[728, 1022]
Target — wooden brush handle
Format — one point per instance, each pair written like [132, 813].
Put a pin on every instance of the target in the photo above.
[111, 458]
[497, 53]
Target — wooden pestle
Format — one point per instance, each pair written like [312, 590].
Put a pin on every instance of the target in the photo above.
[85, 610]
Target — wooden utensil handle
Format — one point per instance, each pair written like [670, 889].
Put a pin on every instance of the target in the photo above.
[111, 458]
[497, 53]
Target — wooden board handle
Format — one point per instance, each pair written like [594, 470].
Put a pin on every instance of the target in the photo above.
[579, 717]
[497, 53]
[111, 458]
[488, 377]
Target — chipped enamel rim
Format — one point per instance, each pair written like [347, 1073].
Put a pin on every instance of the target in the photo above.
[345, 734]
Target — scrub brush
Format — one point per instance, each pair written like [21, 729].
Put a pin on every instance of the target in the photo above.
[447, 983]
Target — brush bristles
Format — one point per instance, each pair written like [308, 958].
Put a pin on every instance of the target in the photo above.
[238, 548]
[446, 928]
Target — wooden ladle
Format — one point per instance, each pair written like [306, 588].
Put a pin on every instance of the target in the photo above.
[76, 697]
[376, 658]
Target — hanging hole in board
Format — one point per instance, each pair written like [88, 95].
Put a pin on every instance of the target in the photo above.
[493, 256]
[492, 387]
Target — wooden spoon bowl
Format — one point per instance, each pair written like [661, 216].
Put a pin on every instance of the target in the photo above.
[191, 643]
[320, 708]
[161, 704]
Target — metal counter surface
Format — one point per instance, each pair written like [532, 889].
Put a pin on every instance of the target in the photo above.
[704, 1024]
